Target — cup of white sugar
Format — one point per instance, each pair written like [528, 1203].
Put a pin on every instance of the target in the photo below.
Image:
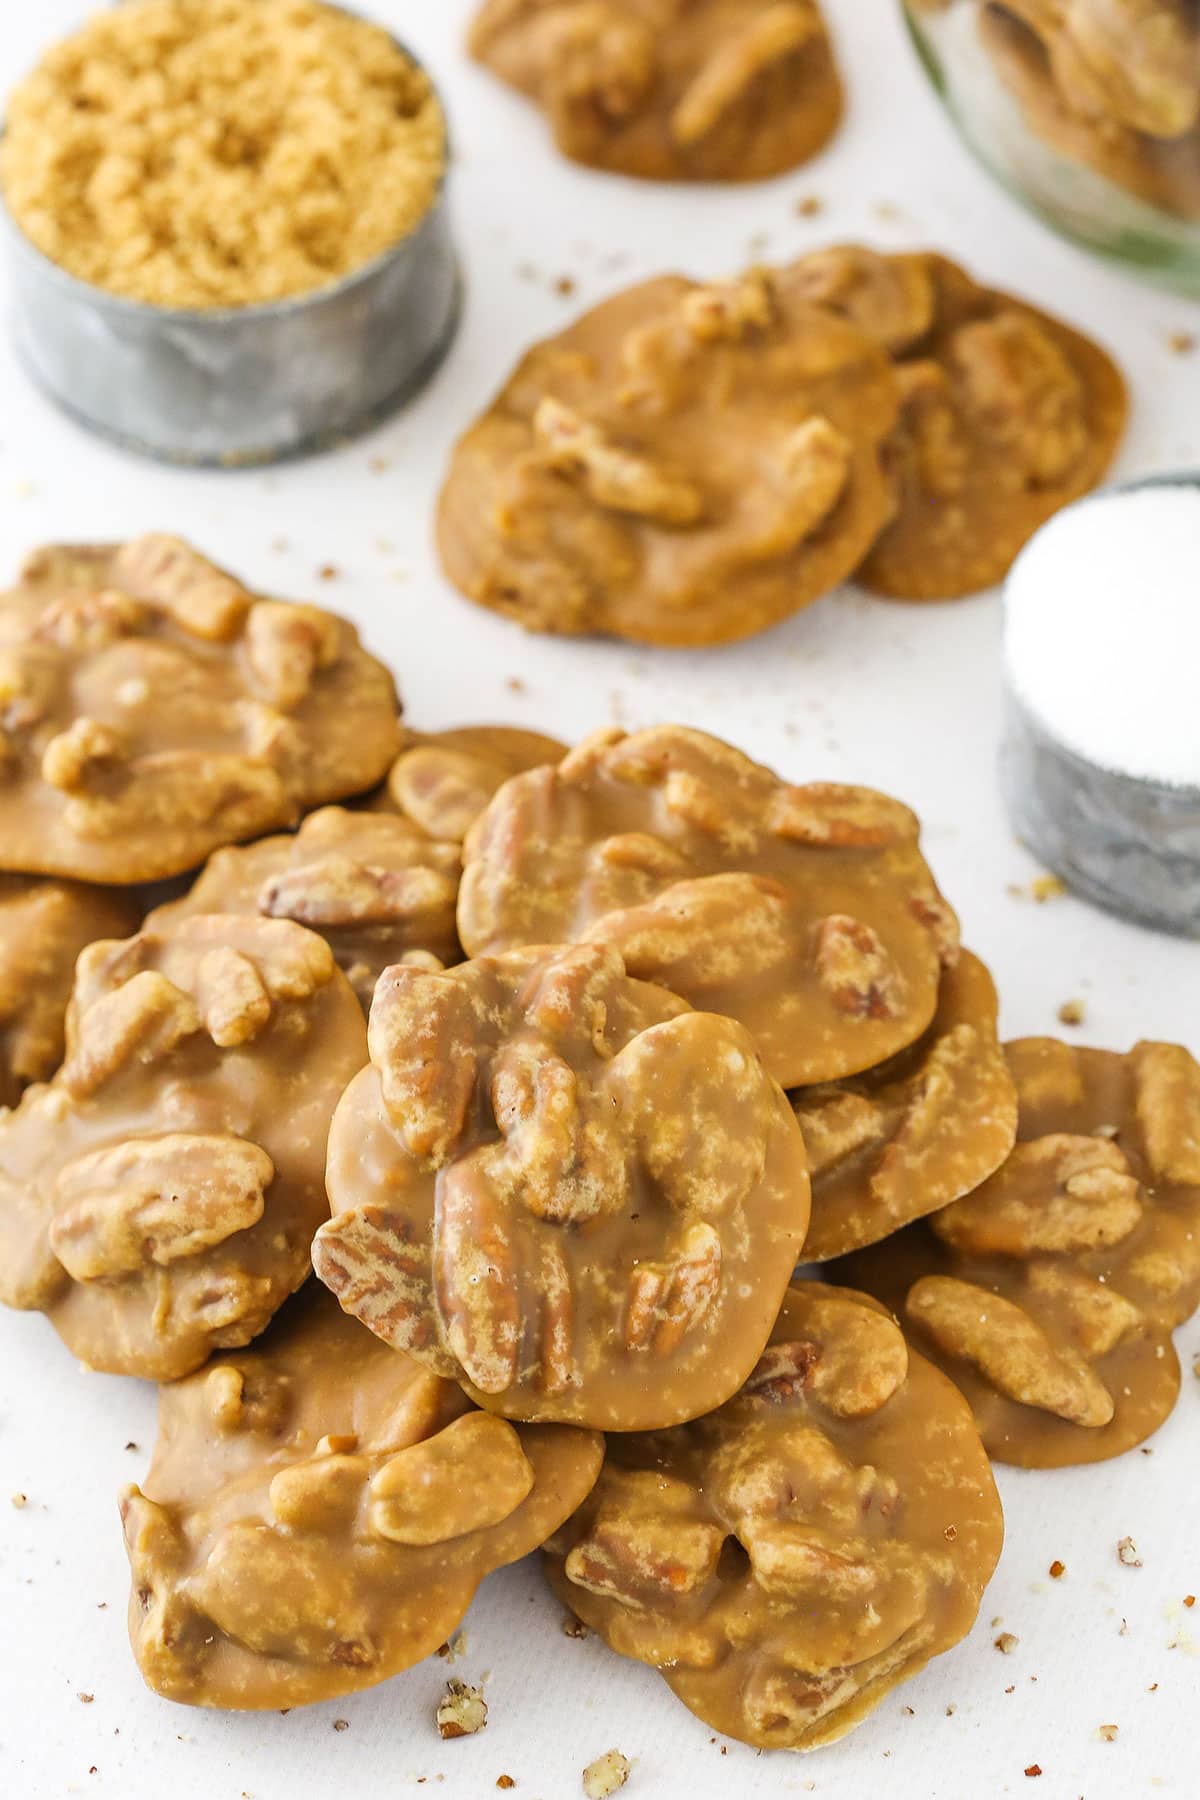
[1101, 762]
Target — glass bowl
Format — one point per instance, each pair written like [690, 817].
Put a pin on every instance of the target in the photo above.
[1089, 115]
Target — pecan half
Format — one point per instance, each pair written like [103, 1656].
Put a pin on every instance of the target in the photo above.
[470, 1475]
[1056, 1194]
[739, 60]
[610, 473]
[854, 968]
[155, 1200]
[1008, 1348]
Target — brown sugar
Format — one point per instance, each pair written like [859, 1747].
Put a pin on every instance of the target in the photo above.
[206, 153]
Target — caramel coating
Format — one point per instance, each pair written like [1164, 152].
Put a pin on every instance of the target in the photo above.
[805, 912]
[43, 927]
[1050, 1293]
[1114, 86]
[915, 1133]
[379, 888]
[1006, 414]
[787, 1561]
[564, 1189]
[442, 780]
[684, 465]
[319, 1512]
[671, 90]
[158, 1198]
[375, 888]
[152, 709]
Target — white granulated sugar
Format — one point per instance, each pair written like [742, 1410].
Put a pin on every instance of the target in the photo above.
[1102, 631]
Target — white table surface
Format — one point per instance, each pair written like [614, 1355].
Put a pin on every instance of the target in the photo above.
[854, 689]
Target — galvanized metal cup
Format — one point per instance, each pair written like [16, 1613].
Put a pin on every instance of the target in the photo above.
[244, 384]
[1127, 843]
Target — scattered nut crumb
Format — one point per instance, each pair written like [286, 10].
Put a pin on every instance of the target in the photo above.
[462, 1711]
[328, 572]
[20, 1500]
[574, 1628]
[604, 1776]
[1006, 1643]
[1011, 1690]
[86, 1699]
[1047, 887]
[908, 1711]
[1124, 1631]
[341, 1724]
[950, 1533]
[505, 1781]
[1189, 1599]
[132, 1446]
[1127, 1553]
[1057, 1570]
[808, 206]
[951, 1710]
[515, 685]
[1182, 343]
[1034, 1769]
[1072, 1012]
[378, 465]
[565, 285]
[1108, 1733]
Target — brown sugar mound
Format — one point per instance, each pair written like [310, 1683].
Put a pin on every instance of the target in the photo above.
[690, 90]
[207, 153]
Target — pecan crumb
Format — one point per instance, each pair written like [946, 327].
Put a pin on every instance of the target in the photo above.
[1108, 1733]
[328, 572]
[809, 206]
[909, 1711]
[604, 1776]
[505, 1781]
[1072, 1012]
[20, 1500]
[574, 1628]
[341, 1724]
[1057, 1570]
[1189, 1599]
[1127, 1553]
[462, 1711]
[951, 1710]
[1034, 1769]
[950, 1533]
[132, 1446]
[1182, 343]
[515, 685]
[1047, 887]
[1124, 1631]
[1006, 1643]
[86, 1699]
[565, 285]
